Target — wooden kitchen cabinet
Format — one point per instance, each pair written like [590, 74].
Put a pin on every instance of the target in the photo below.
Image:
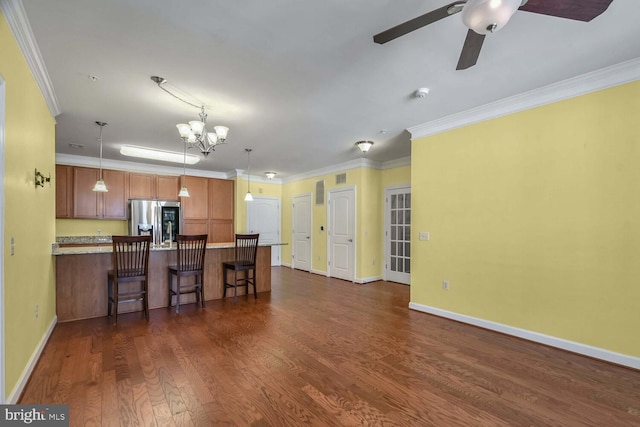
[115, 202]
[197, 205]
[64, 191]
[167, 187]
[195, 226]
[153, 187]
[85, 200]
[90, 204]
[221, 208]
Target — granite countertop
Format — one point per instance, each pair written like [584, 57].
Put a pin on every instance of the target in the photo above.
[82, 240]
[79, 250]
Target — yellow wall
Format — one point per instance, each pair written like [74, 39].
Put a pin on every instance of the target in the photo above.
[534, 220]
[258, 189]
[369, 184]
[90, 227]
[29, 277]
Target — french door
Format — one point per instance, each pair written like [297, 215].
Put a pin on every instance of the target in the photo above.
[398, 234]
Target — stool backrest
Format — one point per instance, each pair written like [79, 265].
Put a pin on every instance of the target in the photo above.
[131, 255]
[191, 250]
[246, 248]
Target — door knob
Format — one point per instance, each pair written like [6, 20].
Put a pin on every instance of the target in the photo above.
[350, 240]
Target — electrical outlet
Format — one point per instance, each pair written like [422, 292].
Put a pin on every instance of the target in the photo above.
[13, 246]
[36, 311]
[423, 235]
[445, 285]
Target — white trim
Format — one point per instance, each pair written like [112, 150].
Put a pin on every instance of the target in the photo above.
[16, 17]
[386, 232]
[2, 150]
[285, 264]
[368, 279]
[33, 361]
[572, 346]
[72, 160]
[614, 75]
[351, 164]
[319, 272]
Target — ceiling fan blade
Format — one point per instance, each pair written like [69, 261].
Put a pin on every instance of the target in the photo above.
[578, 10]
[470, 50]
[419, 22]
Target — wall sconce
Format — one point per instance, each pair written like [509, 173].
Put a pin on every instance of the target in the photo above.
[40, 179]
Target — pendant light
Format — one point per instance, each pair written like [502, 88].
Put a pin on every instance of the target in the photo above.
[184, 191]
[100, 186]
[248, 197]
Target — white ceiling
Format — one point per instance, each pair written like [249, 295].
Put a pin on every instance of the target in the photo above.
[298, 81]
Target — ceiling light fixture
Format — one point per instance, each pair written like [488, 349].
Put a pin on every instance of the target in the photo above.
[364, 146]
[184, 191]
[195, 133]
[155, 154]
[100, 186]
[248, 197]
[270, 175]
[488, 16]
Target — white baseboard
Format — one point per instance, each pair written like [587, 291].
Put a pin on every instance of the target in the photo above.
[368, 279]
[572, 346]
[33, 361]
[285, 264]
[320, 272]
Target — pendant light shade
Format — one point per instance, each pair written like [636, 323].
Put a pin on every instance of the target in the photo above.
[248, 197]
[100, 186]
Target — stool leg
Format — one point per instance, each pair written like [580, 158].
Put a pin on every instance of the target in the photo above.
[178, 294]
[235, 286]
[224, 282]
[109, 293]
[202, 290]
[255, 292]
[169, 281]
[145, 298]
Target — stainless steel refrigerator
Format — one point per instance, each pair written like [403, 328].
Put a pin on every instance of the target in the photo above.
[159, 218]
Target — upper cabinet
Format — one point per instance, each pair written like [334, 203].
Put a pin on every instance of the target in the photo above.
[209, 208]
[90, 204]
[153, 187]
[196, 205]
[64, 191]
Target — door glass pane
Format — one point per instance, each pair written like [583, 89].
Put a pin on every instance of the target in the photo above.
[393, 264]
[401, 200]
[407, 217]
[407, 249]
[400, 263]
[393, 217]
[400, 248]
[393, 232]
[407, 233]
[400, 217]
[407, 200]
[393, 249]
[394, 201]
[407, 265]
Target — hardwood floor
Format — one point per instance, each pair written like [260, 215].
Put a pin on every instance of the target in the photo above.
[322, 352]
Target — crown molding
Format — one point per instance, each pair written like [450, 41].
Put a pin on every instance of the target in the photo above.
[396, 163]
[16, 17]
[93, 162]
[615, 75]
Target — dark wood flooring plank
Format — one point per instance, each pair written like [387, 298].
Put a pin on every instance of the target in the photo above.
[320, 351]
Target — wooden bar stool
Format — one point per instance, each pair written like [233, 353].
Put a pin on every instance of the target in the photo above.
[245, 260]
[130, 261]
[191, 251]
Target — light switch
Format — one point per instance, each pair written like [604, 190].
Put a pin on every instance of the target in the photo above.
[423, 235]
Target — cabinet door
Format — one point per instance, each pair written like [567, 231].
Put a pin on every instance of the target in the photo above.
[221, 231]
[195, 206]
[221, 199]
[64, 191]
[86, 203]
[142, 186]
[167, 187]
[115, 200]
[194, 227]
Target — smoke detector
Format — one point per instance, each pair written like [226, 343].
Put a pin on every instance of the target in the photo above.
[422, 92]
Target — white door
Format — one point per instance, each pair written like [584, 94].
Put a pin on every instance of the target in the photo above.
[398, 234]
[301, 253]
[342, 231]
[263, 216]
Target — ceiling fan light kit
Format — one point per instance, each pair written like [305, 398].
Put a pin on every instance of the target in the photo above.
[488, 16]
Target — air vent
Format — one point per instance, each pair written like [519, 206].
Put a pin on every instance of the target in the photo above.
[341, 178]
[320, 192]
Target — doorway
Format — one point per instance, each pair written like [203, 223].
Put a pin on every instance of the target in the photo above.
[301, 253]
[397, 234]
[341, 235]
[263, 216]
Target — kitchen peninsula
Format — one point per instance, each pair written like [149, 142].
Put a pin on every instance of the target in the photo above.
[81, 277]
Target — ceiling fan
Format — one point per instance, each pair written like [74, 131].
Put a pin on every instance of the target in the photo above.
[488, 16]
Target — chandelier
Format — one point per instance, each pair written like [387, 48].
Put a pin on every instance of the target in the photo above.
[195, 133]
